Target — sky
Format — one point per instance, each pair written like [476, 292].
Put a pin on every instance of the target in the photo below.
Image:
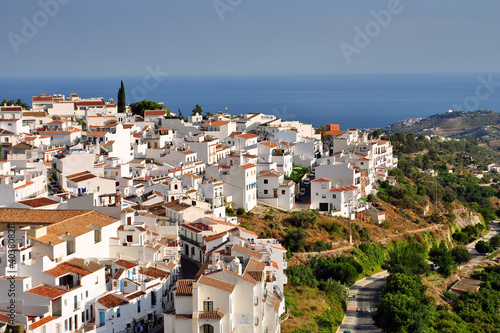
[72, 38]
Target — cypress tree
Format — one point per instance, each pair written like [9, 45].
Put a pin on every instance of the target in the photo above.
[121, 98]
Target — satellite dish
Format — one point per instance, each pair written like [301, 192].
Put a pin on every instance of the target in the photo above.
[86, 262]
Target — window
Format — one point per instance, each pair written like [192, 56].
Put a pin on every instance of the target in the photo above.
[96, 280]
[323, 196]
[86, 293]
[129, 238]
[323, 186]
[139, 306]
[66, 325]
[97, 236]
[24, 257]
[207, 328]
[265, 191]
[70, 247]
[266, 181]
[208, 306]
[282, 191]
[129, 220]
[118, 314]
[334, 196]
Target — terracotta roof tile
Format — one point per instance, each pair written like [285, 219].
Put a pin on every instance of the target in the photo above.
[218, 284]
[111, 301]
[38, 202]
[136, 294]
[216, 123]
[214, 315]
[154, 272]
[184, 288]
[321, 180]
[247, 251]
[125, 263]
[41, 322]
[47, 291]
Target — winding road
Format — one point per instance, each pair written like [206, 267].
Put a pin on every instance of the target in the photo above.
[362, 303]
[365, 293]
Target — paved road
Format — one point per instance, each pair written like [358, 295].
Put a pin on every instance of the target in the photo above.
[305, 201]
[362, 303]
[477, 257]
[365, 293]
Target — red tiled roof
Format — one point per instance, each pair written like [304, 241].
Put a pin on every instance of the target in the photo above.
[342, 189]
[154, 272]
[214, 237]
[125, 263]
[269, 144]
[38, 202]
[247, 166]
[247, 136]
[47, 291]
[214, 315]
[184, 288]
[216, 123]
[118, 274]
[321, 180]
[111, 301]
[218, 284]
[41, 322]
[42, 99]
[155, 113]
[247, 251]
[135, 294]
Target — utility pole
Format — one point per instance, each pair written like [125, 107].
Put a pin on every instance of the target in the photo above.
[350, 221]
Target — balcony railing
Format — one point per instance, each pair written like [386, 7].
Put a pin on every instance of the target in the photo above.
[190, 241]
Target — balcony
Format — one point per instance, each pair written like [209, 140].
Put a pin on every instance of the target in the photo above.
[190, 241]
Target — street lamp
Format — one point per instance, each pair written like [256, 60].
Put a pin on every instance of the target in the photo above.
[350, 221]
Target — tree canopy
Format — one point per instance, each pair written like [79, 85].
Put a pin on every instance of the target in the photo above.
[139, 107]
[18, 102]
[441, 256]
[408, 259]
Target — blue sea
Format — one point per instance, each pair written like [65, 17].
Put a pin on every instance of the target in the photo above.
[362, 101]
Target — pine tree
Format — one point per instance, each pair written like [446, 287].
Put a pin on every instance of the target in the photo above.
[121, 98]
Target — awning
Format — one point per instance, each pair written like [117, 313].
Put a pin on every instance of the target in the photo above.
[141, 317]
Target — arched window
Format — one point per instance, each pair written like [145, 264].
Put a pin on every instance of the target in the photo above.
[207, 328]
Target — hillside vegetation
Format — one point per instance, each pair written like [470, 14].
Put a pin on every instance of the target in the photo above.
[457, 124]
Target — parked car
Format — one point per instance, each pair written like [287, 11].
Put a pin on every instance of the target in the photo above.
[435, 267]
[307, 181]
[302, 191]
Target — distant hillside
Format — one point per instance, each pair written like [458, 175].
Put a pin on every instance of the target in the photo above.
[455, 124]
